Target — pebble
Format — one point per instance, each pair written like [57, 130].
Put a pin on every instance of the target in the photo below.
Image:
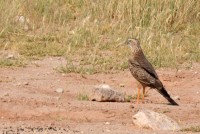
[57, 98]
[26, 83]
[121, 85]
[108, 130]
[176, 97]
[107, 123]
[59, 90]
[18, 84]
[10, 56]
[7, 94]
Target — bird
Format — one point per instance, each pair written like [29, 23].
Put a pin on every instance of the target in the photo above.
[143, 71]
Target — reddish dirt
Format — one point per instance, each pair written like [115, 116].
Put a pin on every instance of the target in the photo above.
[29, 103]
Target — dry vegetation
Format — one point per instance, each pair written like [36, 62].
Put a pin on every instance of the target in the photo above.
[192, 129]
[87, 32]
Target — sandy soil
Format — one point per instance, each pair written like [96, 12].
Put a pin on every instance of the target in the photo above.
[29, 103]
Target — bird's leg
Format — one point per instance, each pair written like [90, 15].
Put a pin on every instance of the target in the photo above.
[138, 95]
[143, 94]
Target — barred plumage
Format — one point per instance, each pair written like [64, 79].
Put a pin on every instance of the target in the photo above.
[143, 71]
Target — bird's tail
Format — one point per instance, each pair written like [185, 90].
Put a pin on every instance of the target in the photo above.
[164, 93]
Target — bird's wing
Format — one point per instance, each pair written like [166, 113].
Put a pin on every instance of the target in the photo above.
[143, 76]
[146, 65]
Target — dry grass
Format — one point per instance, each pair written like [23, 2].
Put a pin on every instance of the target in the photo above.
[192, 129]
[87, 32]
[11, 62]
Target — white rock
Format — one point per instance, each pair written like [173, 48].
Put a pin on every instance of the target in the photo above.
[104, 93]
[155, 121]
[59, 90]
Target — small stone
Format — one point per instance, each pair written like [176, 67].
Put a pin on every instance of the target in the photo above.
[7, 94]
[18, 84]
[176, 97]
[108, 130]
[121, 85]
[26, 83]
[59, 90]
[57, 98]
[10, 56]
[107, 123]
[197, 92]
[156, 121]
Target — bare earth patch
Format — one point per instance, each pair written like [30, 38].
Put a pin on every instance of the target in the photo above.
[29, 102]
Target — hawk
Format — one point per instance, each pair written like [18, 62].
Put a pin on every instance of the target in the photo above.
[143, 71]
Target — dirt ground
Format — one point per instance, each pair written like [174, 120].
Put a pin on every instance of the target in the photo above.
[29, 103]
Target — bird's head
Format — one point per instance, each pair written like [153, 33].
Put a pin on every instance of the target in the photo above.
[134, 44]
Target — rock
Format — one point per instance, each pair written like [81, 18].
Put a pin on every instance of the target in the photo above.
[156, 121]
[59, 90]
[103, 93]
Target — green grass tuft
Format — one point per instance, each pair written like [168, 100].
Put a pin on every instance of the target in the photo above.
[83, 97]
